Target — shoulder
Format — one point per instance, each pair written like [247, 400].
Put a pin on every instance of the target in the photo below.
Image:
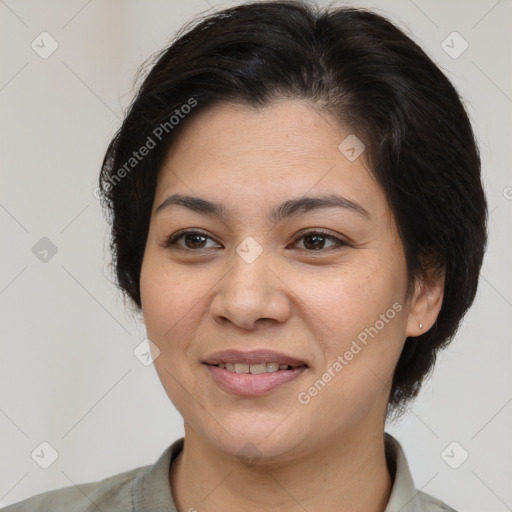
[110, 494]
[142, 488]
[432, 504]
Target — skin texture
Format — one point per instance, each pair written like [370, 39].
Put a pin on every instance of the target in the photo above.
[309, 303]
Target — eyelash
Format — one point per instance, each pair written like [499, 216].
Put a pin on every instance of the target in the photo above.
[171, 241]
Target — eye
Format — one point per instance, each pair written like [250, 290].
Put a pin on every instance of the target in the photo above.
[192, 239]
[314, 240]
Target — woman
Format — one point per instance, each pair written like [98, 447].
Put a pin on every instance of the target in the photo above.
[297, 211]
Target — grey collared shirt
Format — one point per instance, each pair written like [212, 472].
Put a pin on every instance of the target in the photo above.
[147, 489]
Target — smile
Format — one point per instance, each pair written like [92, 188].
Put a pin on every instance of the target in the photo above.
[253, 380]
[255, 369]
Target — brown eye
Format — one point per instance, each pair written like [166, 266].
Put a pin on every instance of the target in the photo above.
[192, 239]
[315, 240]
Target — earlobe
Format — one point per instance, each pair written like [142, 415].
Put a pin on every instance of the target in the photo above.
[425, 304]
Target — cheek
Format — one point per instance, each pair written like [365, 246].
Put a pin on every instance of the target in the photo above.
[360, 317]
[348, 301]
[359, 330]
[170, 309]
[168, 300]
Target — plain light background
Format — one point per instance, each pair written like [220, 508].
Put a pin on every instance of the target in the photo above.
[68, 373]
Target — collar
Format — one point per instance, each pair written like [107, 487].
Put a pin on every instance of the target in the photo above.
[404, 497]
[151, 491]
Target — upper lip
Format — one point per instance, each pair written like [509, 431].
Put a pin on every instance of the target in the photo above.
[252, 357]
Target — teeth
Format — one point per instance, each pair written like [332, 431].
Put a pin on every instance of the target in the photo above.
[272, 367]
[258, 368]
[241, 368]
[254, 369]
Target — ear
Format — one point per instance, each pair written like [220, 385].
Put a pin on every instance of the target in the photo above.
[426, 302]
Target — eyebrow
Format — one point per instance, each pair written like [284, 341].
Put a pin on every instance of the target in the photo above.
[289, 208]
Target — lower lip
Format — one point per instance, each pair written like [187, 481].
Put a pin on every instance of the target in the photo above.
[247, 384]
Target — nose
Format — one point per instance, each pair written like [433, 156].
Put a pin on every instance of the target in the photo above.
[251, 295]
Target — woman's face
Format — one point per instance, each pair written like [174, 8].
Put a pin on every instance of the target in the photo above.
[263, 283]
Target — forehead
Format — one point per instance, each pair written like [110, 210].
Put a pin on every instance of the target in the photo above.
[283, 130]
[246, 155]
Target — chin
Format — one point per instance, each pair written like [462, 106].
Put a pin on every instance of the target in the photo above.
[258, 440]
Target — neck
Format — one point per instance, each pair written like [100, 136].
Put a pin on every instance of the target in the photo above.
[342, 475]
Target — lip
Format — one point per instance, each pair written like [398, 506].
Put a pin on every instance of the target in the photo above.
[252, 357]
[247, 384]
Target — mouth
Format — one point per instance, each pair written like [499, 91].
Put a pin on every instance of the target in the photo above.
[253, 358]
[253, 373]
[256, 369]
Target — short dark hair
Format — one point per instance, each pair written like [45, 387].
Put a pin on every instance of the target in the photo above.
[355, 65]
